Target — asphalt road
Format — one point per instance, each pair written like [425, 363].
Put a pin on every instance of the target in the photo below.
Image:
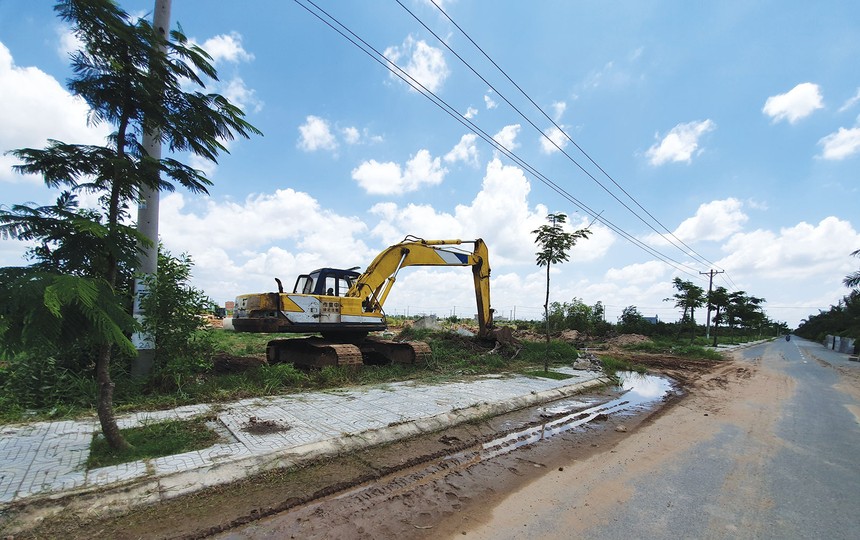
[770, 449]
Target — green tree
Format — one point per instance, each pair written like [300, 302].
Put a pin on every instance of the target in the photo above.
[744, 311]
[174, 309]
[688, 298]
[554, 243]
[631, 320]
[135, 80]
[852, 280]
[718, 300]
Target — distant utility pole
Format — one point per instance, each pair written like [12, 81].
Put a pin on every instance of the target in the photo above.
[711, 273]
[147, 224]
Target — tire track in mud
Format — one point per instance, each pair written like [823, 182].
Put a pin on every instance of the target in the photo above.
[429, 488]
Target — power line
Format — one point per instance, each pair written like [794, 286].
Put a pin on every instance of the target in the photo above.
[691, 251]
[380, 58]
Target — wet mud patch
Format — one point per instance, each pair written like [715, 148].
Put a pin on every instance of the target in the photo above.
[259, 426]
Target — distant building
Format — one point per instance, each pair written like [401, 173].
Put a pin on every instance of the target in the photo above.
[652, 320]
[229, 306]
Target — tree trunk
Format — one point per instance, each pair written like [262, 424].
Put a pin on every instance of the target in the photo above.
[546, 314]
[716, 316]
[692, 325]
[105, 402]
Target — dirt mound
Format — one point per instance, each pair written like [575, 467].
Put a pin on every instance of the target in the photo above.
[628, 339]
[571, 336]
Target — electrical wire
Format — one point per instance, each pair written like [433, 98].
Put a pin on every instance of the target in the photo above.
[333, 23]
[691, 252]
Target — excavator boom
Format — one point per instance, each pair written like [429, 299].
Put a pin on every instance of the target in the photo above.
[376, 282]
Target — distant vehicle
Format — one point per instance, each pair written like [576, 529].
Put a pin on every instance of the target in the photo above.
[788, 337]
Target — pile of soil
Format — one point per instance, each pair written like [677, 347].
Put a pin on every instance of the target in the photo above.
[627, 339]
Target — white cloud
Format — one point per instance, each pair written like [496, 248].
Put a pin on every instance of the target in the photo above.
[489, 102]
[804, 251]
[67, 42]
[639, 273]
[471, 112]
[466, 151]
[840, 145]
[424, 63]
[797, 103]
[202, 164]
[239, 94]
[227, 48]
[315, 134]
[713, 221]
[558, 110]
[270, 242]
[850, 102]
[553, 140]
[351, 135]
[390, 179]
[680, 143]
[500, 214]
[35, 107]
[507, 136]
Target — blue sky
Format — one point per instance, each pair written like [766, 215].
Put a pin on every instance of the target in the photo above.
[735, 124]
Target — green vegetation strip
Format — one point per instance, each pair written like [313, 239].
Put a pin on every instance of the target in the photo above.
[152, 441]
[555, 375]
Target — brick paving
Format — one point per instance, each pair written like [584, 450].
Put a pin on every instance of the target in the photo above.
[47, 459]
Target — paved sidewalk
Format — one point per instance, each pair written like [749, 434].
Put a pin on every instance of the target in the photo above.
[43, 463]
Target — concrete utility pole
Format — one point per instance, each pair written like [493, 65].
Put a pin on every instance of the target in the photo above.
[710, 273]
[147, 224]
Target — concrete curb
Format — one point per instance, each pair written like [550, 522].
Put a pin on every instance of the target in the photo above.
[152, 487]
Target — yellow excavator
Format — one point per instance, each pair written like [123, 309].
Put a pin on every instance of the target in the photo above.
[345, 305]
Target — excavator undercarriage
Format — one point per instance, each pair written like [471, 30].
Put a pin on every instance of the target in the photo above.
[314, 352]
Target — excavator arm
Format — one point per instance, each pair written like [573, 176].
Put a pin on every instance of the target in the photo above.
[373, 286]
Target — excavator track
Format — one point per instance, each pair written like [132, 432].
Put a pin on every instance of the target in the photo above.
[394, 352]
[313, 352]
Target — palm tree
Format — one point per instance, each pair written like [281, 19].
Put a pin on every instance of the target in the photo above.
[134, 80]
[852, 280]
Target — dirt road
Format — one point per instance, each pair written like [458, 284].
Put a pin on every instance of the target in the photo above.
[764, 447]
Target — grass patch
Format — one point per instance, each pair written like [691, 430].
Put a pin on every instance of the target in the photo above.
[152, 441]
[555, 375]
[696, 351]
[612, 365]
[675, 348]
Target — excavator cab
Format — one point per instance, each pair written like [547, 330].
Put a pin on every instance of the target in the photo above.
[326, 282]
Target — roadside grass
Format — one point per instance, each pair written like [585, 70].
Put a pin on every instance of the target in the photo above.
[554, 375]
[152, 441]
[612, 365]
[675, 348]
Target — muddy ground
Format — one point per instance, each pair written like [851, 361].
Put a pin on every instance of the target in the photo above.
[418, 488]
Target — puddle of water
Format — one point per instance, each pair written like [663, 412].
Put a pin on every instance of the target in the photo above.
[639, 390]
